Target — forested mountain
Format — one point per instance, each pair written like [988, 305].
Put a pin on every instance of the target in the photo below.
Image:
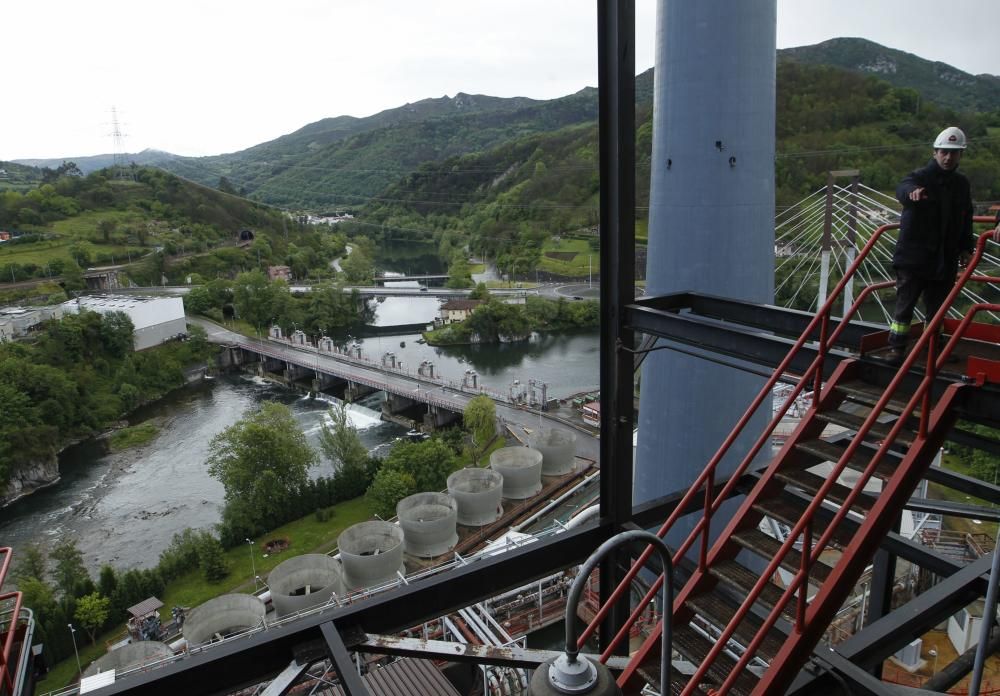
[935, 81]
[843, 93]
[337, 165]
[93, 163]
[509, 200]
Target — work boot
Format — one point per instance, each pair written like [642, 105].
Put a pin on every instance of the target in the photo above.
[940, 342]
[895, 355]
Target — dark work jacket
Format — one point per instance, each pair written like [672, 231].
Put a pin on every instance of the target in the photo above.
[934, 231]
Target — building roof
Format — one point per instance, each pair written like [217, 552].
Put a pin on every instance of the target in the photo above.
[406, 677]
[146, 606]
[115, 302]
[458, 305]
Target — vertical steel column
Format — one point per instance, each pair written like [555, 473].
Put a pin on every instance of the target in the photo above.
[350, 681]
[883, 578]
[616, 95]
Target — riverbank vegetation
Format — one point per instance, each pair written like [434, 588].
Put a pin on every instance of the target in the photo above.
[133, 436]
[496, 321]
[199, 564]
[75, 377]
[326, 309]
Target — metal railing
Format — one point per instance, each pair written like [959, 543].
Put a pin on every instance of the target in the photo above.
[703, 486]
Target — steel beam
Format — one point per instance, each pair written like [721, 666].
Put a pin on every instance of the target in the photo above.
[616, 132]
[350, 680]
[876, 642]
[947, 507]
[253, 658]
[506, 656]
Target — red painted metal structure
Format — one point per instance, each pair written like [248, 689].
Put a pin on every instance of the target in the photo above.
[10, 631]
[809, 617]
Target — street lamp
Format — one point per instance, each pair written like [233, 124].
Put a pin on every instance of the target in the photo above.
[72, 633]
[253, 566]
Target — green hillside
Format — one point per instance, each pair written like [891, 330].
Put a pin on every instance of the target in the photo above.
[935, 81]
[249, 169]
[511, 201]
[344, 162]
[175, 227]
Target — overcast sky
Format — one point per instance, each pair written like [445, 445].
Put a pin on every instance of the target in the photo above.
[200, 77]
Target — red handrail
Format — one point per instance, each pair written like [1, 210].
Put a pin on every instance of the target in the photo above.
[709, 470]
[801, 577]
[707, 476]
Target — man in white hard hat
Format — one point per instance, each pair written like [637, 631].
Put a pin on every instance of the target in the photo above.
[935, 235]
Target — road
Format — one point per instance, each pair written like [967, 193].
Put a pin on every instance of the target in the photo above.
[439, 392]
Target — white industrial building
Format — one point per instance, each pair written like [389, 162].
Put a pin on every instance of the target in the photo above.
[156, 319]
[19, 321]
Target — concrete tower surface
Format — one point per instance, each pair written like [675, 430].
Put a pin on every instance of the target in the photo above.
[711, 222]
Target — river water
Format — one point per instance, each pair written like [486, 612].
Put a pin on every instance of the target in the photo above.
[124, 508]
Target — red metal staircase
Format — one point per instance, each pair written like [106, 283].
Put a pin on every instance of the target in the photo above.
[751, 613]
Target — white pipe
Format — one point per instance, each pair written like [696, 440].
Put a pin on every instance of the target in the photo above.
[583, 516]
[553, 503]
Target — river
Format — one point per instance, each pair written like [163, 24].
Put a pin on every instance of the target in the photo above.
[124, 508]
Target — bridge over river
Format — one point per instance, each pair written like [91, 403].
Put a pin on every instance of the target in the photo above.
[404, 389]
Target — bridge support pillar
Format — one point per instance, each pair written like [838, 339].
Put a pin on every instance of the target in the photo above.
[322, 381]
[294, 372]
[438, 417]
[355, 391]
[394, 403]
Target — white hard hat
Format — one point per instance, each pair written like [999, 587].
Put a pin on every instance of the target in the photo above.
[950, 138]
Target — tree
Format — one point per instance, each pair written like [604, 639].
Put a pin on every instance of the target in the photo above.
[358, 266]
[106, 227]
[459, 275]
[254, 297]
[340, 442]
[69, 571]
[428, 462]
[31, 562]
[388, 488]
[480, 292]
[72, 278]
[480, 420]
[198, 300]
[39, 596]
[225, 186]
[116, 334]
[262, 461]
[211, 558]
[92, 611]
[107, 581]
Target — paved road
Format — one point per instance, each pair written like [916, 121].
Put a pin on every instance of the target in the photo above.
[439, 392]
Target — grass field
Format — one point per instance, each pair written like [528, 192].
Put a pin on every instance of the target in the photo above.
[577, 266]
[305, 535]
[80, 228]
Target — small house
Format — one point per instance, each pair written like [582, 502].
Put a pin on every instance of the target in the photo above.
[458, 310]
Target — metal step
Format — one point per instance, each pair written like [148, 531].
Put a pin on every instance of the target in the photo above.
[767, 547]
[742, 579]
[878, 432]
[869, 394]
[651, 673]
[832, 451]
[810, 482]
[789, 513]
[694, 646]
[719, 613]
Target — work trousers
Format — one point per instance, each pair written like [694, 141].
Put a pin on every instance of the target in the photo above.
[909, 287]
